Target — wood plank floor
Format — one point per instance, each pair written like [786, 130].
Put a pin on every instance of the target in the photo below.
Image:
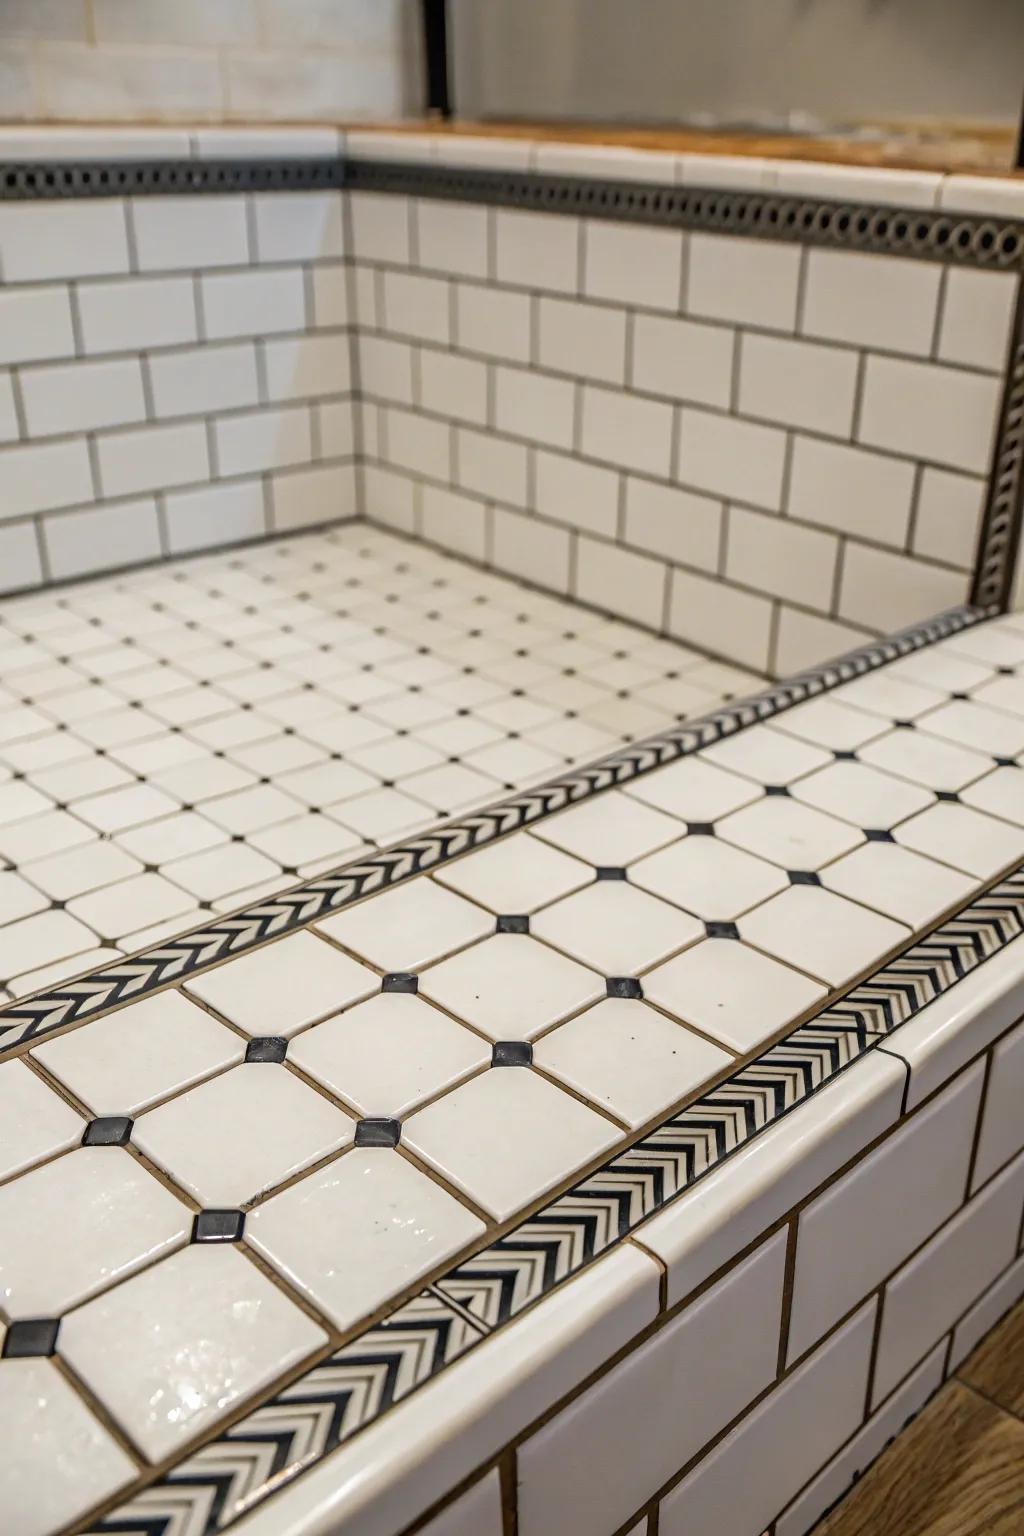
[958, 1470]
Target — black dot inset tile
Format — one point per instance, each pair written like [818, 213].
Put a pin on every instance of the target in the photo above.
[721, 930]
[959, 695]
[511, 923]
[32, 1336]
[623, 986]
[904, 725]
[700, 828]
[108, 1131]
[218, 1227]
[844, 757]
[878, 835]
[776, 789]
[610, 872]
[400, 981]
[1005, 762]
[803, 877]
[266, 1048]
[378, 1133]
[947, 794]
[512, 1053]
[1006, 671]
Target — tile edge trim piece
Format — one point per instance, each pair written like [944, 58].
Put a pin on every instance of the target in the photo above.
[136, 976]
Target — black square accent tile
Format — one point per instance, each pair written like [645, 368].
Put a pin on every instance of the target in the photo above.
[623, 986]
[842, 756]
[1005, 762]
[959, 695]
[776, 789]
[700, 828]
[721, 930]
[218, 1227]
[1006, 671]
[31, 1336]
[803, 877]
[512, 1053]
[512, 924]
[904, 725]
[378, 1133]
[947, 794]
[108, 1131]
[400, 981]
[610, 872]
[878, 835]
[266, 1048]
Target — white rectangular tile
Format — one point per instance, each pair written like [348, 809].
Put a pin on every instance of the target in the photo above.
[798, 383]
[977, 316]
[302, 367]
[19, 557]
[525, 546]
[621, 428]
[1001, 1134]
[35, 324]
[380, 227]
[683, 359]
[537, 250]
[491, 467]
[927, 1296]
[534, 406]
[385, 368]
[262, 439]
[300, 498]
[733, 458]
[493, 321]
[864, 1226]
[452, 237]
[214, 515]
[629, 264]
[83, 542]
[419, 443]
[201, 379]
[298, 226]
[139, 312]
[252, 303]
[727, 620]
[676, 524]
[771, 554]
[417, 306]
[78, 397]
[943, 414]
[620, 582]
[949, 508]
[869, 300]
[851, 490]
[885, 591]
[77, 238]
[572, 491]
[986, 1312]
[457, 522]
[594, 1463]
[152, 457]
[588, 340]
[208, 231]
[741, 1485]
[37, 477]
[751, 282]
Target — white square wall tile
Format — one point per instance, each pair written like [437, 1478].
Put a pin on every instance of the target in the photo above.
[167, 1357]
[730, 992]
[863, 1227]
[129, 1058]
[284, 986]
[772, 1453]
[213, 1139]
[60, 1460]
[592, 1465]
[493, 322]
[869, 300]
[534, 406]
[510, 987]
[976, 317]
[517, 875]
[467, 1134]
[926, 1296]
[628, 1059]
[398, 1224]
[385, 1055]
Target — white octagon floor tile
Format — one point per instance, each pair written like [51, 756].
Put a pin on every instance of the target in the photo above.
[709, 877]
[511, 986]
[612, 925]
[965, 838]
[36, 1121]
[610, 830]
[788, 833]
[730, 992]
[410, 926]
[822, 933]
[278, 989]
[518, 874]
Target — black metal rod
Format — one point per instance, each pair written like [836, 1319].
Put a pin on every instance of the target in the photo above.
[1018, 159]
[435, 46]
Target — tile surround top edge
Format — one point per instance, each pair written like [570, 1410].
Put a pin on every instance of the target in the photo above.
[284, 978]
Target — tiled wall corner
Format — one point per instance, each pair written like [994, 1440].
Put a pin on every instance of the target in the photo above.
[177, 372]
[798, 437]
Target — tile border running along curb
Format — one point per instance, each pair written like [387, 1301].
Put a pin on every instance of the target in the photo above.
[293, 1430]
[94, 993]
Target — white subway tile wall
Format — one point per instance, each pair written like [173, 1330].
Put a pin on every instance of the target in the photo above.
[799, 438]
[176, 376]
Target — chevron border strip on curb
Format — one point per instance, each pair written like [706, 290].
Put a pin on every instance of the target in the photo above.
[128, 980]
[302, 1423]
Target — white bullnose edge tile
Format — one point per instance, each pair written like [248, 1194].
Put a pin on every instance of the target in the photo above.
[1002, 196]
[859, 183]
[946, 1034]
[476, 1513]
[740, 1486]
[808, 1508]
[986, 1312]
[593, 1465]
[401, 1465]
[710, 1224]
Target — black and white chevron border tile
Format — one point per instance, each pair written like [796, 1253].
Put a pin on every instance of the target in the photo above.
[128, 980]
[342, 1394]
